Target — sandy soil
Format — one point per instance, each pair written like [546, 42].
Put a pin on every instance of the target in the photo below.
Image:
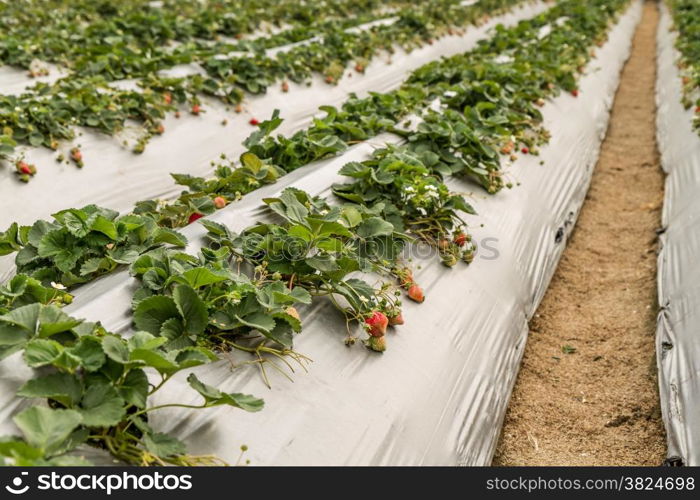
[587, 391]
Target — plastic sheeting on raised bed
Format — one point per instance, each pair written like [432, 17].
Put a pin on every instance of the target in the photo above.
[677, 338]
[115, 177]
[438, 395]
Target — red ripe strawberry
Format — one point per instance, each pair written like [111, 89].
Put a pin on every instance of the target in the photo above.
[415, 293]
[376, 344]
[525, 150]
[285, 87]
[195, 216]
[396, 320]
[219, 202]
[359, 68]
[196, 109]
[460, 239]
[376, 324]
[168, 98]
[254, 122]
[574, 92]
[24, 168]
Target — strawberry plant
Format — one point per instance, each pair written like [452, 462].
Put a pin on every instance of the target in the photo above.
[407, 188]
[318, 248]
[204, 196]
[81, 244]
[98, 388]
[199, 300]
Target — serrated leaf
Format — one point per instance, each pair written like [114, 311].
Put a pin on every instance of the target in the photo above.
[192, 309]
[373, 227]
[45, 428]
[60, 246]
[115, 349]
[25, 317]
[323, 263]
[214, 396]
[155, 360]
[61, 387]
[166, 235]
[40, 352]
[101, 406]
[163, 445]
[105, 226]
[201, 276]
[89, 351]
[52, 321]
[152, 312]
[145, 340]
[134, 388]
[258, 321]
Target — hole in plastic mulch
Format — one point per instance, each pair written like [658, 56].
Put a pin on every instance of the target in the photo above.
[673, 462]
[559, 236]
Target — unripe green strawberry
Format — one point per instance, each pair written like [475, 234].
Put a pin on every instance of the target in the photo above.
[377, 344]
[449, 260]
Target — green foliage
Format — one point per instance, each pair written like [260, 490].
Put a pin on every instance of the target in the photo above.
[97, 388]
[81, 244]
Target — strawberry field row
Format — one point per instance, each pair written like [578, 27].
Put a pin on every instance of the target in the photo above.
[240, 290]
[47, 113]
[60, 31]
[686, 19]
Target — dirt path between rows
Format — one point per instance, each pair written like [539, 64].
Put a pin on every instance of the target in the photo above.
[587, 391]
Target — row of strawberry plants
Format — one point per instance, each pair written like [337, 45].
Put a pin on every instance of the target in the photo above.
[62, 31]
[47, 113]
[454, 147]
[173, 282]
[686, 20]
[488, 114]
[187, 308]
[95, 382]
